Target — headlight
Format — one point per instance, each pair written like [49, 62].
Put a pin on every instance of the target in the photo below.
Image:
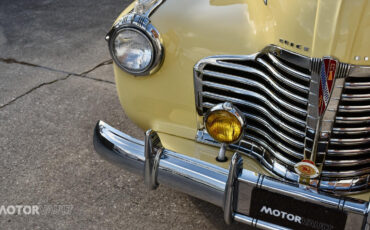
[224, 123]
[135, 45]
[132, 50]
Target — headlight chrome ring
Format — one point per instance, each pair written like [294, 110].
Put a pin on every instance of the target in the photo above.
[141, 25]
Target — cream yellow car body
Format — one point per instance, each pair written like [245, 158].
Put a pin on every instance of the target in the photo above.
[194, 29]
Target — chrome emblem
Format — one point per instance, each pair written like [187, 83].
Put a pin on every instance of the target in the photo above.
[307, 169]
[327, 76]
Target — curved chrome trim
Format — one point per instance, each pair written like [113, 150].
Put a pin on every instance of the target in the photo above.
[150, 165]
[269, 159]
[347, 173]
[351, 185]
[155, 6]
[289, 56]
[282, 79]
[352, 120]
[354, 108]
[348, 152]
[230, 198]
[140, 23]
[271, 128]
[241, 102]
[279, 143]
[251, 83]
[355, 97]
[291, 71]
[361, 130]
[262, 121]
[254, 95]
[215, 184]
[357, 85]
[332, 182]
[347, 162]
[146, 7]
[194, 177]
[157, 158]
[349, 141]
[265, 123]
[276, 154]
[280, 135]
[251, 70]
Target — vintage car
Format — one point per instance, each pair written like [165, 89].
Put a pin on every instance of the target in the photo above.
[261, 107]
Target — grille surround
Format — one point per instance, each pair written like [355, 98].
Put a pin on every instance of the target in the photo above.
[272, 88]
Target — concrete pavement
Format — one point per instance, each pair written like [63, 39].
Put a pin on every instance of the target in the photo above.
[56, 81]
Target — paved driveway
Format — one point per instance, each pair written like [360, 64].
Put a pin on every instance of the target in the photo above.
[56, 81]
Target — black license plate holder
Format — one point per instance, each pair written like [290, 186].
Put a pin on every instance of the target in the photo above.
[293, 213]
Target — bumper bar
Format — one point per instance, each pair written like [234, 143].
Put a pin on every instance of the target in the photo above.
[230, 189]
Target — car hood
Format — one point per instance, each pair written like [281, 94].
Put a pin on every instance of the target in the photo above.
[313, 28]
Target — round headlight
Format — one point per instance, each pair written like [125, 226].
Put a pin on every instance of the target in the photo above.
[133, 50]
[224, 123]
[135, 45]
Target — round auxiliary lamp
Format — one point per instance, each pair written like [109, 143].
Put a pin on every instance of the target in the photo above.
[225, 124]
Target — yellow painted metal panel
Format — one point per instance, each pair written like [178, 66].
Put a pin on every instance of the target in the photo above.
[194, 29]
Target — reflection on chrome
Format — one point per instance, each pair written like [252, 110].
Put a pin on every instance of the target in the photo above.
[272, 89]
[230, 189]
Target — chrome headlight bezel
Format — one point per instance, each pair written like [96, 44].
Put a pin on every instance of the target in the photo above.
[142, 25]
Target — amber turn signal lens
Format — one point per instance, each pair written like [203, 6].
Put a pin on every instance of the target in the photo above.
[223, 126]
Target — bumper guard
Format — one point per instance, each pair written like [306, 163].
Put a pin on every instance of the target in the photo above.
[230, 189]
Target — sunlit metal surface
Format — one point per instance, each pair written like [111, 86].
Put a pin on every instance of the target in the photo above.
[275, 89]
[212, 183]
[141, 24]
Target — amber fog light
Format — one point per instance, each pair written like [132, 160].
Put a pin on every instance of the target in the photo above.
[224, 123]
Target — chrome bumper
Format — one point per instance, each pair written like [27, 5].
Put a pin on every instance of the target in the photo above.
[230, 189]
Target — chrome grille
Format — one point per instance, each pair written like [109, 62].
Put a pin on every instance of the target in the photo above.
[272, 88]
[349, 149]
[271, 92]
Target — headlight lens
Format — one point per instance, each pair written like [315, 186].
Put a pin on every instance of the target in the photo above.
[136, 45]
[224, 123]
[133, 50]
